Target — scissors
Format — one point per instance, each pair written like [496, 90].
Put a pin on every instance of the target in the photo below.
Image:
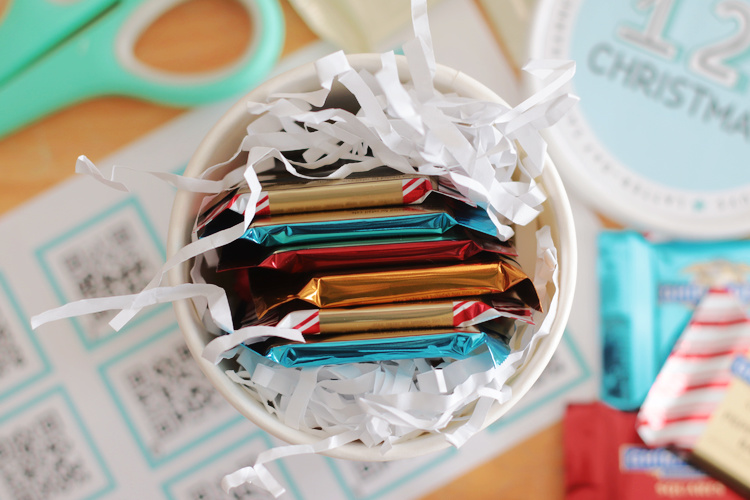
[59, 52]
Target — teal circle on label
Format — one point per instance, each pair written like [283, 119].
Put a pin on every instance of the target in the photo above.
[655, 112]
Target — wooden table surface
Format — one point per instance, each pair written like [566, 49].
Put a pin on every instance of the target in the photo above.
[197, 36]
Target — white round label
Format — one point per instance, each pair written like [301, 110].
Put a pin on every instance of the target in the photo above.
[661, 137]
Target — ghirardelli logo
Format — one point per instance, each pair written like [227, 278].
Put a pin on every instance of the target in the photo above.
[718, 273]
[660, 462]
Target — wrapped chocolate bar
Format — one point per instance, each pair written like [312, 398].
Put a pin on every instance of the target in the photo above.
[385, 346]
[403, 316]
[605, 459]
[699, 402]
[292, 195]
[494, 314]
[396, 285]
[648, 294]
[454, 246]
[723, 448]
[373, 223]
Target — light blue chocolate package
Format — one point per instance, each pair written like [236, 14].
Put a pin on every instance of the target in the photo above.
[648, 293]
[347, 348]
[372, 223]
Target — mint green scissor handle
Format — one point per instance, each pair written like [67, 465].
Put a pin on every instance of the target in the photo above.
[29, 28]
[100, 61]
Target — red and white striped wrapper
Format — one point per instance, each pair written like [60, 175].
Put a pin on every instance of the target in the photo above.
[694, 379]
[474, 312]
[465, 313]
[415, 190]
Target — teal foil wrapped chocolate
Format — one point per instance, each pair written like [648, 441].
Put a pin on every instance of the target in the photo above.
[354, 348]
[340, 225]
[648, 294]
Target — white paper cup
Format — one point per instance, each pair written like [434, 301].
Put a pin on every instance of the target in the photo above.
[223, 141]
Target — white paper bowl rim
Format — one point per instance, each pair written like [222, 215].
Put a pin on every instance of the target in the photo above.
[231, 127]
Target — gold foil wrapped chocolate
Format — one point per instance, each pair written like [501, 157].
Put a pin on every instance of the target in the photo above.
[318, 196]
[398, 285]
[400, 316]
[297, 196]
[457, 313]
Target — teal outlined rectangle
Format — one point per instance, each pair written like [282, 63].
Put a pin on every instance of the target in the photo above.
[23, 320]
[152, 460]
[585, 375]
[289, 483]
[131, 203]
[60, 391]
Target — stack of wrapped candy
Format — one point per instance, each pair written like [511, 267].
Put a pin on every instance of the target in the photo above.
[369, 268]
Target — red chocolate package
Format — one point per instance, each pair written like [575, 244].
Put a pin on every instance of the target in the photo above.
[605, 459]
[456, 246]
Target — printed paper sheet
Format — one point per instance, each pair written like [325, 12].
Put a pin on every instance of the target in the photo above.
[89, 413]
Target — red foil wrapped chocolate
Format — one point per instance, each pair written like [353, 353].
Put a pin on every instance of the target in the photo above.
[347, 255]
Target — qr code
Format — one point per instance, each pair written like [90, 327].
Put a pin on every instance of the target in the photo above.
[38, 460]
[11, 356]
[172, 392]
[109, 263]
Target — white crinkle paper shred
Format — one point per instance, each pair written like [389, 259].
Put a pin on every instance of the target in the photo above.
[491, 152]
